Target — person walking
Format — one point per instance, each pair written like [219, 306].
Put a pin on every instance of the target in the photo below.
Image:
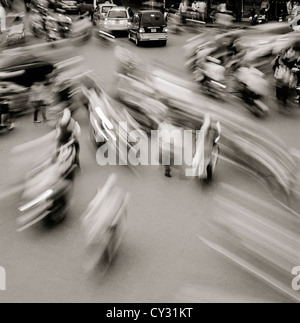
[289, 7]
[38, 101]
[265, 7]
[183, 7]
[201, 8]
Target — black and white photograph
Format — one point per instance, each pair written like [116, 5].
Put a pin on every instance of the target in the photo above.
[149, 154]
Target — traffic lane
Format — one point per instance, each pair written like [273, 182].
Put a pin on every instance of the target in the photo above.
[160, 258]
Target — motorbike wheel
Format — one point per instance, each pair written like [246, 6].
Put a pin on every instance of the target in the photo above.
[137, 42]
[59, 213]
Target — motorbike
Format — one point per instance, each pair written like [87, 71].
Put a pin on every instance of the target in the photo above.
[210, 74]
[54, 26]
[282, 16]
[254, 101]
[104, 223]
[253, 17]
[253, 87]
[47, 189]
[257, 19]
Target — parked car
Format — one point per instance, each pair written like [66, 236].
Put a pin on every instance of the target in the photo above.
[148, 26]
[117, 19]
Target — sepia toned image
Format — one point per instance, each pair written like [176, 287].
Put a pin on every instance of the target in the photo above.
[149, 153]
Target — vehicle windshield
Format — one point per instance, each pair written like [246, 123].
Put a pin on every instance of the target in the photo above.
[106, 9]
[117, 14]
[152, 19]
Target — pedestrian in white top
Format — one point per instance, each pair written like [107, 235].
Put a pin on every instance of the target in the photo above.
[2, 19]
[289, 7]
[201, 5]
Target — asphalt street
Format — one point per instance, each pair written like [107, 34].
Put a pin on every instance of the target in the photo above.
[161, 258]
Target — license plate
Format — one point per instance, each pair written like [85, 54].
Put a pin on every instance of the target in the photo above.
[153, 30]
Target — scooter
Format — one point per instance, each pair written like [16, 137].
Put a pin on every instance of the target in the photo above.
[101, 127]
[262, 17]
[104, 224]
[257, 19]
[252, 86]
[253, 100]
[253, 17]
[211, 76]
[48, 189]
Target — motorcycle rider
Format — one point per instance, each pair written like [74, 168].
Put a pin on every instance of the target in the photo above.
[67, 130]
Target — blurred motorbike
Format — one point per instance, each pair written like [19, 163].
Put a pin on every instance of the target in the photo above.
[257, 19]
[46, 195]
[54, 26]
[253, 88]
[210, 74]
[47, 189]
[104, 224]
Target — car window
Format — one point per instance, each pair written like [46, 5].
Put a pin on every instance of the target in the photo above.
[105, 9]
[117, 14]
[152, 19]
[130, 12]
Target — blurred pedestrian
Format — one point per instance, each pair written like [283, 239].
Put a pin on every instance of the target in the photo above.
[170, 143]
[183, 7]
[201, 8]
[289, 7]
[265, 6]
[222, 7]
[282, 77]
[38, 95]
[2, 19]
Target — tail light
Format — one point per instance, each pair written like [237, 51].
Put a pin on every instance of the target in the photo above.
[165, 30]
[141, 30]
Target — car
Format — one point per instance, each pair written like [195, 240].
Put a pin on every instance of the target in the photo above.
[147, 26]
[117, 19]
[91, 5]
[154, 4]
[69, 6]
[102, 10]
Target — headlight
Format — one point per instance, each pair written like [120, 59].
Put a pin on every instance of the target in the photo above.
[165, 30]
[36, 201]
